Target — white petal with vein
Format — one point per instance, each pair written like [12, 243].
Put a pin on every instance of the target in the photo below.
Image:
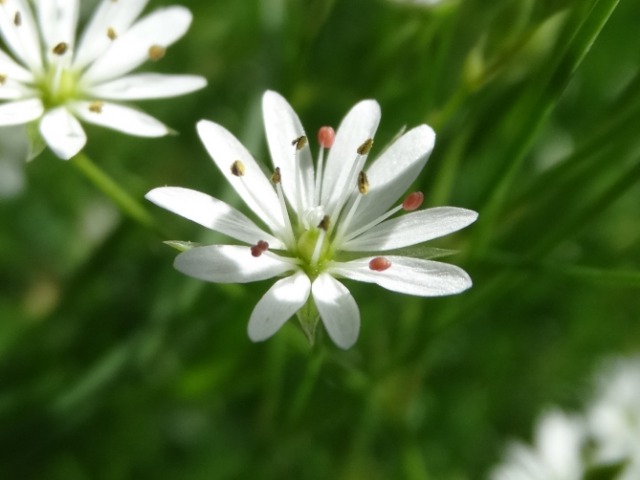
[279, 304]
[62, 132]
[147, 85]
[338, 310]
[121, 118]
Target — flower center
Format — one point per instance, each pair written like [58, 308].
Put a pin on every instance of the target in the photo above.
[309, 249]
[58, 86]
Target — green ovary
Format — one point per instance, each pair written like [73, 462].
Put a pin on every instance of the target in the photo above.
[58, 87]
[306, 246]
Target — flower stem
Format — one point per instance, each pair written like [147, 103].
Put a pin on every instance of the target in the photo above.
[125, 202]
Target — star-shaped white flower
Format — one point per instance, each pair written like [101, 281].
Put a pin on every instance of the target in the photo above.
[555, 455]
[614, 417]
[321, 222]
[58, 80]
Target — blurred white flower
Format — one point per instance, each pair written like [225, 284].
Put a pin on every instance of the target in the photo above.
[57, 80]
[614, 417]
[555, 455]
[322, 222]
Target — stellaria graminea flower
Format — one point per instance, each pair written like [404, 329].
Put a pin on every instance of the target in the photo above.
[57, 80]
[322, 223]
[557, 453]
[614, 417]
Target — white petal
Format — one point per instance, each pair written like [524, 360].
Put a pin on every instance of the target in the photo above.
[58, 21]
[413, 276]
[117, 16]
[254, 187]
[280, 302]
[121, 118]
[12, 90]
[147, 85]
[211, 213]
[62, 132]
[358, 125]
[393, 172]
[230, 264]
[21, 111]
[13, 70]
[283, 127]
[411, 229]
[338, 310]
[161, 28]
[20, 33]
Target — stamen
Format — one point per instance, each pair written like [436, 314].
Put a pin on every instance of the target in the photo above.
[96, 106]
[276, 179]
[111, 33]
[363, 188]
[156, 52]
[323, 226]
[413, 201]
[379, 264]
[410, 201]
[345, 189]
[237, 168]
[300, 142]
[363, 183]
[365, 148]
[17, 19]
[3, 79]
[326, 137]
[325, 223]
[259, 248]
[61, 48]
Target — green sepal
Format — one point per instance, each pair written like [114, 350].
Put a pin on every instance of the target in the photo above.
[308, 316]
[35, 142]
[180, 245]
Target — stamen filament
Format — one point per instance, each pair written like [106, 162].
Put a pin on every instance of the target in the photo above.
[276, 179]
[288, 229]
[373, 223]
[356, 168]
[318, 186]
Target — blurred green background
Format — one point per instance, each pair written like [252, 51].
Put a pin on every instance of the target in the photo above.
[115, 366]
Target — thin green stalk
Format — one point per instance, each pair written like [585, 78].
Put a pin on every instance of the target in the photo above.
[125, 202]
[536, 107]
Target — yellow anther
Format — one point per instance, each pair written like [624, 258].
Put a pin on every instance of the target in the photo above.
[111, 33]
[325, 223]
[363, 183]
[156, 52]
[276, 177]
[300, 142]
[61, 48]
[17, 19]
[237, 168]
[365, 147]
[3, 78]
[96, 106]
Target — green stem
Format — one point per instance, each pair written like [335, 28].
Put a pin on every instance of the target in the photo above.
[127, 203]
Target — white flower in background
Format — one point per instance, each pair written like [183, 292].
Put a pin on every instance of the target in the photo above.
[56, 79]
[322, 222]
[614, 417]
[555, 455]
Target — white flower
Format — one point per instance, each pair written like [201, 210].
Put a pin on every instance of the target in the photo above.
[556, 454]
[320, 223]
[614, 417]
[57, 79]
